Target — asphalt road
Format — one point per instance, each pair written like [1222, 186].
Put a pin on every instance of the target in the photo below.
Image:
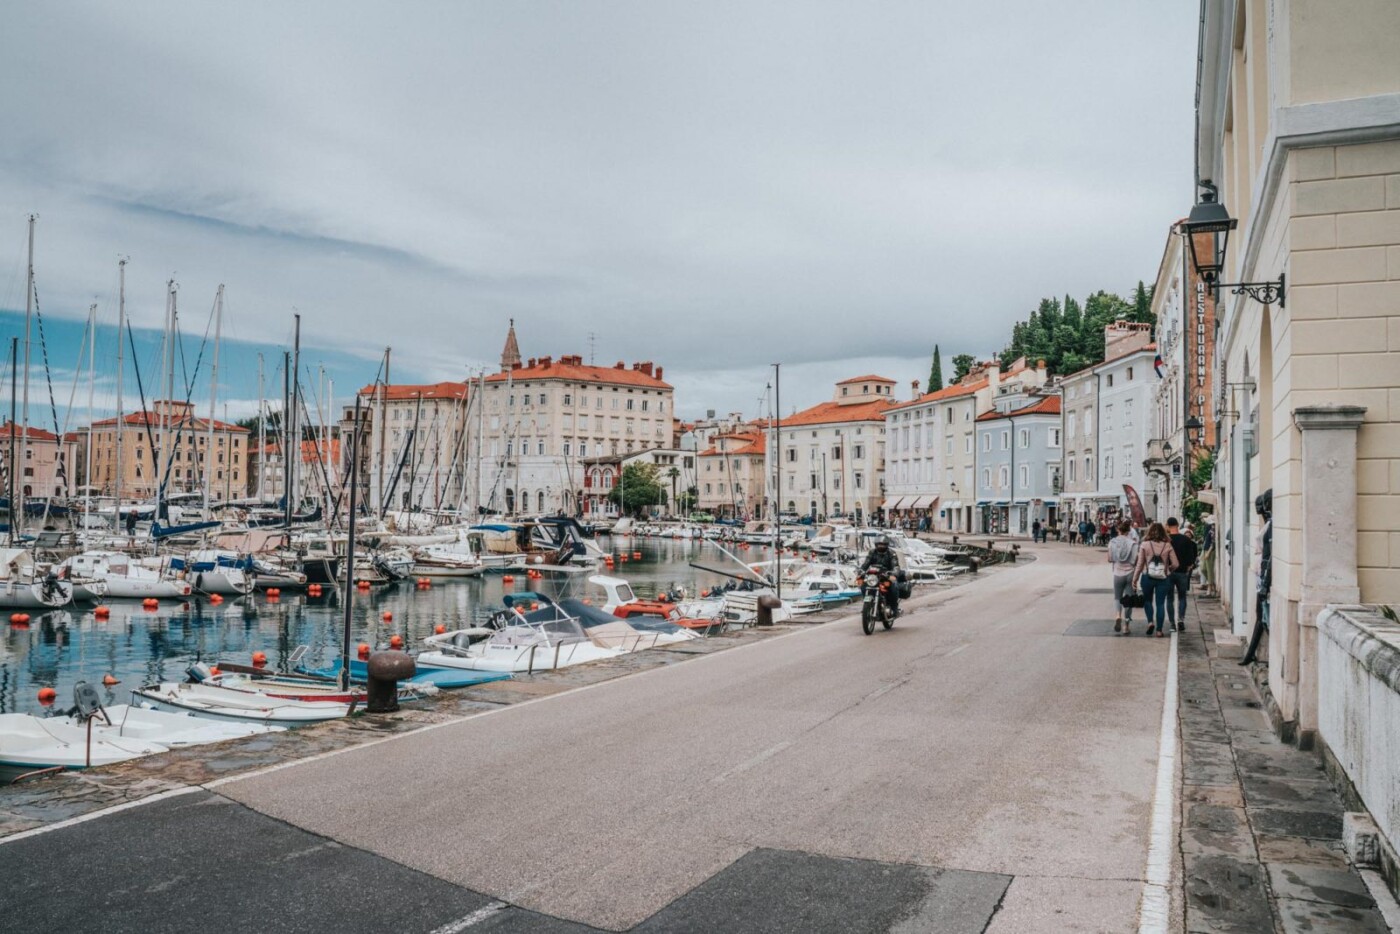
[976, 768]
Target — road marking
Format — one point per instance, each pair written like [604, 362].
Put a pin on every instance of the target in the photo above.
[471, 920]
[957, 650]
[750, 763]
[101, 812]
[1154, 915]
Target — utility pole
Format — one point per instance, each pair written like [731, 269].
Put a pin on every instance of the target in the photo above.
[17, 515]
[778, 478]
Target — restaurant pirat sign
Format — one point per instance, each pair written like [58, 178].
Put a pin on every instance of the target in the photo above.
[1199, 332]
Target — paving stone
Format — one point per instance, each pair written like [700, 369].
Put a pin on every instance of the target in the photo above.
[1300, 850]
[1227, 893]
[1300, 917]
[1228, 795]
[1319, 884]
[1211, 830]
[1271, 791]
[1318, 825]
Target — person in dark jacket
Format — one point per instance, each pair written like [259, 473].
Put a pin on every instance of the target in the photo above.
[1180, 580]
[882, 557]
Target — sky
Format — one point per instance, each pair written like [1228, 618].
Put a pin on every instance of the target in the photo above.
[716, 187]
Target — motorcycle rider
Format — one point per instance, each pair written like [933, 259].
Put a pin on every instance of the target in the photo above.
[882, 558]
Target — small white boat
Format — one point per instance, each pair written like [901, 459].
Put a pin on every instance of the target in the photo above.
[218, 703]
[22, 586]
[123, 578]
[454, 558]
[29, 743]
[522, 646]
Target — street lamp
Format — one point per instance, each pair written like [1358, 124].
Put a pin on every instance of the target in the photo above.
[1194, 424]
[1209, 216]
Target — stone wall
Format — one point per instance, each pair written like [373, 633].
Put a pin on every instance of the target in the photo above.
[1359, 706]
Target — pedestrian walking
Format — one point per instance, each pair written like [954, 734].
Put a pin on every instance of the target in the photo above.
[1155, 562]
[1208, 557]
[1035, 531]
[1123, 555]
[1186, 553]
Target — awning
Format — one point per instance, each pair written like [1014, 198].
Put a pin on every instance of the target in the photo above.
[920, 502]
[1208, 497]
[893, 502]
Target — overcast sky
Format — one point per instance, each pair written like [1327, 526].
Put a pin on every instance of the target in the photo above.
[713, 186]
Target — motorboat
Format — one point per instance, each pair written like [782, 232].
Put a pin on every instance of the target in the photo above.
[302, 687]
[221, 703]
[923, 561]
[453, 558]
[206, 571]
[23, 586]
[621, 601]
[443, 678]
[124, 578]
[121, 732]
[537, 641]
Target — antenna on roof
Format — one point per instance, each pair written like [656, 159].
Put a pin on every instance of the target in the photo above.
[592, 338]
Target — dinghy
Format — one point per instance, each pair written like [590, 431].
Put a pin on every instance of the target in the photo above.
[221, 703]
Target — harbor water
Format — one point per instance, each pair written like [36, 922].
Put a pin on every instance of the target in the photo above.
[139, 646]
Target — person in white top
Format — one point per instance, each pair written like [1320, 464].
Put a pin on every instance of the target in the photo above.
[1122, 554]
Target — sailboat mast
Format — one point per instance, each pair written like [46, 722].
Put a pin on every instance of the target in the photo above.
[15, 508]
[379, 420]
[209, 457]
[121, 416]
[350, 548]
[92, 380]
[295, 423]
[262, 429]
[286, 438]
[17, 515]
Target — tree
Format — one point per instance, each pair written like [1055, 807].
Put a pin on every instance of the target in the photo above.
[688, 500]
[935, 375]
[638, 488]
[674, 474]
[1142, 304]
[962, 365]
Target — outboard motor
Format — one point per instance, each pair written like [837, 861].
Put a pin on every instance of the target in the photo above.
[198, 673]
[86, 702]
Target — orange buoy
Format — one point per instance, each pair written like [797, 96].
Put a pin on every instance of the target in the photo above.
[213, 670]
[109, 680]
[47, 696]
[362, 650]
[16, 618]
[534, 606]
[274, 591]
[439, 629]
[508, 579]
[587, 602]
[396, 641]
[259, 659]
[387, 616]
[636, 556]
[363, 585]
[150, 603]
[216, 598]
[102, 612]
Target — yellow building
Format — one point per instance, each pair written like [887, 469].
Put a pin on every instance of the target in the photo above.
[168, 440]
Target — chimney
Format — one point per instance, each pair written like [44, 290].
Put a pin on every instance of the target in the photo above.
[658, 372]
[994, 375]
[546, 361]
[532, 362]
[620, 365]
[645, 367]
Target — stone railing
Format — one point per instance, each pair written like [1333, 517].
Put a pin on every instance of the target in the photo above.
[1359, 711]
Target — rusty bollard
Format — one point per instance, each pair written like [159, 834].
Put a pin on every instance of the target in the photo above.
[386, 670]
[766, 606]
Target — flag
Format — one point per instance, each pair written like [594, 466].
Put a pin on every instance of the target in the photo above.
[1157, 365]
[1135, 510]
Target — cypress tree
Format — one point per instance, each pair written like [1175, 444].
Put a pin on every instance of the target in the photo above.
[935, 375]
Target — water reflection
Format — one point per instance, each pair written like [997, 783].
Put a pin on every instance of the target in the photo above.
[139, 646]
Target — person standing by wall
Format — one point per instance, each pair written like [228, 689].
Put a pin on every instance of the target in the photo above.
[1185, 548]
[1155, 564]
[1208, 557]
[1122, 555]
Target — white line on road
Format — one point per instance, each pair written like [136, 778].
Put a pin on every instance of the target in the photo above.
[1154, 915]
[957, 650]
[94, 815]
[750, 763]
[471, 920]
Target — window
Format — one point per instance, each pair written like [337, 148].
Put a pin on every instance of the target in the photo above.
[987, 441]
[543, 400]
[1071, 469]
[987, 477]
[1006, 439]
[1024, 441]
[583, 449]
[629, 404]
[568, 448]
[1088, 469]
[1108, 380]
[836, 453]
[1130, 374]
[1025, 475]
[967, 445]
[644, 405]
[1088, 423]
[859, 480]
[1054, 437]
[950, 415]
[1003, 476]
[791, 455]
[858, 452]
[568, 399]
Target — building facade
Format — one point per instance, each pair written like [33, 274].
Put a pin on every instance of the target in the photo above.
[930, 457]
[417, 450]
[42, 471]
[730, 474]
[167, 441]
[675, 472]
[543, 417]
[831, 457]
[1019, 454]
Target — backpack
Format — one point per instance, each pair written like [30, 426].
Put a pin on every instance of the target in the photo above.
[1157, 568]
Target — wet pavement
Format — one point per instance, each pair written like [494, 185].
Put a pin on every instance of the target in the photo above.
[1261, 831]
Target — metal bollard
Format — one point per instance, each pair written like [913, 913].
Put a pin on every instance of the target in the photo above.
[386, 670]
[766, 606]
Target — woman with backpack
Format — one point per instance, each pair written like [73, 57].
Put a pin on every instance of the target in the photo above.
[1155, 562]
[1122, 554]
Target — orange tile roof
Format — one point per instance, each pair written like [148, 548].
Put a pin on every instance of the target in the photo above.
[836, 413]
[401, 391]
[577, 372]
[947, 392]
[866, 379]
[755, 443]
[19, 431]
[177, 421]
[311, 451]
[1049, 405]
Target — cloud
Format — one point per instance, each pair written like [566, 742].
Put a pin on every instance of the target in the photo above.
[711, 186]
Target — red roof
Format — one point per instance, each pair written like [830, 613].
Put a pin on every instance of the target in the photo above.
[748, 443]
[311, 451]
[38, 434]
[834, 413]
[573, 369]
[177, 422]
[407, 391]
[1049, 405]
[866, 379]
[947, 392]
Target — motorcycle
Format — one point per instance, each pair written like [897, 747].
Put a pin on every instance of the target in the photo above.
[875, 585]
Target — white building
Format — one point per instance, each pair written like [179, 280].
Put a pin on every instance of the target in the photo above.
[832, 456]
[541, 419]
[415, 454]
[930, 455]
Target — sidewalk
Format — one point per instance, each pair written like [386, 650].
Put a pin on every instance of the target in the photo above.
[1261, 826]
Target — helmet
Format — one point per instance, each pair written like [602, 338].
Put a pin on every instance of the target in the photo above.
[882, 542]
